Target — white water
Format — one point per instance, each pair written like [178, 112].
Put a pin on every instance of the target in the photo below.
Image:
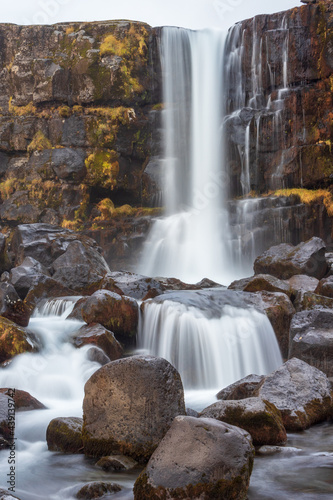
[191, 242]
[209, 353]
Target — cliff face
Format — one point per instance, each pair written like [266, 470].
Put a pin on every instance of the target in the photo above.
[279, 93]
[78, 106]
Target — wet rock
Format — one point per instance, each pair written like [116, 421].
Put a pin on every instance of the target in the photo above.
[259, 418]
[301, 393]
[285, 261]
[24, 401]
[325, 287]
[262, 282]
[12, 307]
[130, 284]
[198, 458]
[101, 337]
[116, 463]
[46, 288]
[129, 405]
[302, 283]
[15, 340]
[308, 300]
[7, 417]
[68, 164]
[65, 434]
[311, 339]
[97, 489]
[115, 312]
[192, 413]
[247, 387]
[27, 275]
[97, 355]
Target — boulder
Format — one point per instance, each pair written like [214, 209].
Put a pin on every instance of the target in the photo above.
[15, 340]
[247, 387]
[311, 338]
[28, 274]
[65, 434]
[325, 287]
[116, 463]
[129, 405]
[259, 418]
[309, 300]
[12, 307]
[198, 458]
[285, 261]
[115, 312]
[46, 288]
[97, 489]
[262, 282]
[7, 417]
[302, 283]
[301, 393]
[23, 400]
[130, 284]
[96, 355]
[99, 336]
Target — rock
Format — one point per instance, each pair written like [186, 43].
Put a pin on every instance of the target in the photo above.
[24, 401]
[7, 417]
[303, 283]
[96, 355]
[12, 307]
[129, 405]
[259, 418]
[262, 282]
[7, 495]
[192, 413]
[198, 458]
[101, 337]
[14, 340]
[65, 434]
[115, 312]
[78, 309]
[308, 300]
[44, 289]
[116, 463]
[130, 284]
[325, 287]
[280, 310]
[247, 387]
[285, 261]
[301, 393]
[97, 489]
[311, 339]
[28, 274]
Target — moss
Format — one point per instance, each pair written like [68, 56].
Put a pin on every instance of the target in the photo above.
[7, 188]
[27, 110]
[13, 340]
[64, 111]
[61, 436]
[309, 196]
[39, 142]
[102, 169]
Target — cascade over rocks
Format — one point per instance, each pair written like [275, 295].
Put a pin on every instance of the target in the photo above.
[311, 339]
[198, 458]
[129, 405]
[259, 418]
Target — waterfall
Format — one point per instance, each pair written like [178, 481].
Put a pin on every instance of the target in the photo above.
[192, 241]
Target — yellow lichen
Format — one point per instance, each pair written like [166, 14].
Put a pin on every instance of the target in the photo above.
[39, 142]
[102, 169]
[27, 110]
[309, 196]
[7, 188]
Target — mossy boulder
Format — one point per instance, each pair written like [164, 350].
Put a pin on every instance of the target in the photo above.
[259, 418]
[129, 405]
[306, 301]
[198, 458]
[116, 463]
[14, 340]
[95, 334]
[65, 434]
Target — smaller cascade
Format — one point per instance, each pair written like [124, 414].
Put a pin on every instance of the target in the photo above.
[60, 307]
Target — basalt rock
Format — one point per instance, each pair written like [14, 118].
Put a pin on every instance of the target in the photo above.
[130, 284]
[99, 336]
[262, 282]
[27, 275]
[308, 300]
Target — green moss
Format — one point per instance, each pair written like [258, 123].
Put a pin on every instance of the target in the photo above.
[102, 169]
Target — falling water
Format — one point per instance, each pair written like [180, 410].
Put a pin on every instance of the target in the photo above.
[190, 243]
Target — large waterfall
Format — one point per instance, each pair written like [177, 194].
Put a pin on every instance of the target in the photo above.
[193, 240]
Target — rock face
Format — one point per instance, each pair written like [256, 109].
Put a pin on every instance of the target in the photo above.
[65, 434]
[198, 458]
[129, 405]
[285, 261]
[311, 339]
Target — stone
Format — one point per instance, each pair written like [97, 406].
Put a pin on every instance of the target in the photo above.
[99, 336]
[97, 489]
[129, 405]
[15, 340]
[116, 463]
[115, 312]
[309, 300]
[285, 261]
[198, 458]
[7, 422]
[130, 284]
[69, 164]
[303, 283]
[12, 307]
[28, 274]
[301, 393]
[311, 338]
[97, 355]
[247, 387]
[259, 418]
[262, 282]
[46, 288]
[24, 401]
[325, 287]
[65, 434]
